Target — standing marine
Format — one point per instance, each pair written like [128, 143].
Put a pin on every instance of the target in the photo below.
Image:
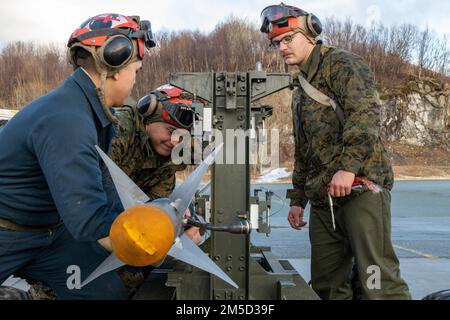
[341, 166]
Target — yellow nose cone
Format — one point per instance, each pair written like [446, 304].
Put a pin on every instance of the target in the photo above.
[142, 235]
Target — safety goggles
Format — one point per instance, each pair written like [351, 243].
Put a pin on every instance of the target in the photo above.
[179, 115]
[144, 37]
[278, 14]
[176, 112]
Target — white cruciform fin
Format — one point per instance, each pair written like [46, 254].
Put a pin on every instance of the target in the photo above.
[129, 193]
[187, 251]
[181, 197]
[109, 264]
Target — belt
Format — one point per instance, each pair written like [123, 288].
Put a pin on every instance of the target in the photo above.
[6, 224]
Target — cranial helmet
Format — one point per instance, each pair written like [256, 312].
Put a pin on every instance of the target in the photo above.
[279, 19]
[114, 41]
[168, 104]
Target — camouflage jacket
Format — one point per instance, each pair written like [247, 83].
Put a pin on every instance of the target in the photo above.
[323, 145]
[132, 152]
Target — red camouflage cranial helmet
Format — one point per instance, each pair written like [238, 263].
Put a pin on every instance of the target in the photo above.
[176, 95]
[114, 41]
[111, 36]
[168, 104]
[282, 18]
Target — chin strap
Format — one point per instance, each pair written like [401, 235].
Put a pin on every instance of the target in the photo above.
[307, 36]
[103, 72]
[101, 95]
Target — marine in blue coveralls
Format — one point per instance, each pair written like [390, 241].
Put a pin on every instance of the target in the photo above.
[56, 198]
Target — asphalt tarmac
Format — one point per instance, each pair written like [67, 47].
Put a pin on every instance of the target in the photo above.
[420, 234]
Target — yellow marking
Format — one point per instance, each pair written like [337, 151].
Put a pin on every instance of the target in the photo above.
[425, 255]
[139, 238]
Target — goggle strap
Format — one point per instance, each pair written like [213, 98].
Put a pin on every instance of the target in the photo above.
[133, 34]
[160, 96]
[149, 109]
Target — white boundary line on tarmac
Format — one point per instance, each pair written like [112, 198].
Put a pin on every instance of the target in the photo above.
[425, 255]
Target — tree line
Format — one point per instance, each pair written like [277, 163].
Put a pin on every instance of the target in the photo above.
[28, 70]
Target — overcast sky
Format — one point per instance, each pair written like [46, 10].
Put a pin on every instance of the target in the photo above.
[54, 20]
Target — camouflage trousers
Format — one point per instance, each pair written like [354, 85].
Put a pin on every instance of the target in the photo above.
[10, 293]
[363, 236]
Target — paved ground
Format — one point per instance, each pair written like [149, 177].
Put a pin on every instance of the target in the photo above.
[420, 233]
[422, 275]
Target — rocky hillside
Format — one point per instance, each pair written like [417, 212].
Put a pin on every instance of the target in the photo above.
[415, 126]
[418, 113]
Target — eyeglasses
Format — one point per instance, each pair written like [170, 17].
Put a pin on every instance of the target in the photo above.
[275, 44]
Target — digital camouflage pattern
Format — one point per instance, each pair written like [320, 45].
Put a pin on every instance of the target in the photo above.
[154, 174]
[132, 152]
[10, 293]
[323, 146]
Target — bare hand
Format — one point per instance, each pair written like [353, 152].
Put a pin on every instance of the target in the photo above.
[295, 217]
[193, 233]
[341, 184]
[106, 243]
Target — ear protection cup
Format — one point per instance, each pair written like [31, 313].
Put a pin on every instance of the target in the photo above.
[314, 25]
[116, 51]
[147, 105]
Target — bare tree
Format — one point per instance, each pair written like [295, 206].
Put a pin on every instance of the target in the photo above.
[424, 50]
[393, 53]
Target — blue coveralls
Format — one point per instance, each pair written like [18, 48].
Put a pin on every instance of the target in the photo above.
[50, 170]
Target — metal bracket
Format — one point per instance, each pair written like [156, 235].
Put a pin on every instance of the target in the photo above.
[231, 92]
[221, 294]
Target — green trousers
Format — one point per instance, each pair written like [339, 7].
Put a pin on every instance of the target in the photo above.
[363, 236]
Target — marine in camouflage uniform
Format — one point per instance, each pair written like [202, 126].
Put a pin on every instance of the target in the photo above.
[154, 174]
[325, 149]
[132, 152]
[323, 146]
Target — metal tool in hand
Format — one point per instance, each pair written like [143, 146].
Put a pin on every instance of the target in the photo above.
[358, 183]
[330, 200]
